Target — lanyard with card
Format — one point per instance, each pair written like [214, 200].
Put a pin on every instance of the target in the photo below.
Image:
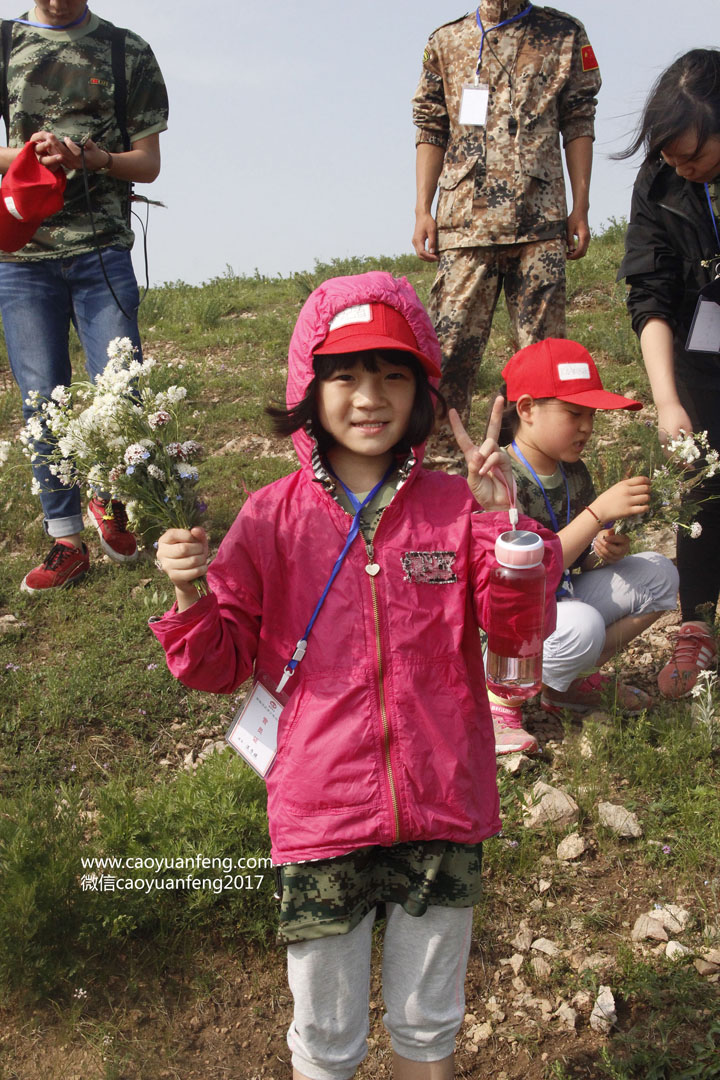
[704, 333]
[475, 96]
[253, 732]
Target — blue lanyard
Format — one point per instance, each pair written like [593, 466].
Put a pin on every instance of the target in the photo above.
[497, 26]
[565, 588]
[49, 26]
[358, 507]
[538, 481]
[712, 215]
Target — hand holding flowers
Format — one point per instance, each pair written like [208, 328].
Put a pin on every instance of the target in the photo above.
[182, 554]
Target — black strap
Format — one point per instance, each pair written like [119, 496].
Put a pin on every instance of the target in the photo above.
[6, 29]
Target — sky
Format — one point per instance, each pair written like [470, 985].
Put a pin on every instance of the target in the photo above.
[290, 137]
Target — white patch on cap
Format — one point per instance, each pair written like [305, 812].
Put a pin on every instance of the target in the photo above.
[360, 313]
[12, 209]
[568, 372]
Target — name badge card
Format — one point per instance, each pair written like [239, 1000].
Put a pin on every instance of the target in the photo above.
[474, 104]
[253, 733]
[704, 333]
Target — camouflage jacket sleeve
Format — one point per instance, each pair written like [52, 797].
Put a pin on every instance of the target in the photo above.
[578, 99]
[430, 114]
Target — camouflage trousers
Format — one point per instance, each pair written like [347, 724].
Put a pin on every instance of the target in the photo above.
[464, 296]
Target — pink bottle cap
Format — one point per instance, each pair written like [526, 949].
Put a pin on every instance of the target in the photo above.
[519, 548]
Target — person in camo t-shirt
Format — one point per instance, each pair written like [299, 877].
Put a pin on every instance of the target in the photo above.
[60, 96]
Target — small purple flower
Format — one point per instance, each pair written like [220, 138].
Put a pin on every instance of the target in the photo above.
[151, 667]
[666, 849]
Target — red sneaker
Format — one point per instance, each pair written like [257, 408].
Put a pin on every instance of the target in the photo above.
[510, 736]
[110, 519]
[65, 565]
[593, 692]
[694, 650]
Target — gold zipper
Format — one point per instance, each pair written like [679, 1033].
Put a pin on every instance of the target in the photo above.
[381, 687]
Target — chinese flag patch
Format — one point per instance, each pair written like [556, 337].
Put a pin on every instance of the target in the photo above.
[588, 58]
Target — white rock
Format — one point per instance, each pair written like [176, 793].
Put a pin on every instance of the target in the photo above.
[550, 806]
[571, 847]
[544, 885]
[566, 1015]
[619, 820]
[480, 1033]
[582, 1002]
[524, 937]
[516, 962]
[585, 747]
[646, 927]
[540, 967]
[189, 759]
[544, 945]
[516, 764]
[673, 917]
[596, 962]
[674, 950]
[603, 1015]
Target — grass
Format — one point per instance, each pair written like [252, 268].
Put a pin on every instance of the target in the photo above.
[94, 733]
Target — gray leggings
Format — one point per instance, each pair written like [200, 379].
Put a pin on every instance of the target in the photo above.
[423, 978]
[635, 585]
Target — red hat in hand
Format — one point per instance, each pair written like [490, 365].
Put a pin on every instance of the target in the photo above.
[29, 193]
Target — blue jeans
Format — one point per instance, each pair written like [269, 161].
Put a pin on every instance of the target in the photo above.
[38, 301]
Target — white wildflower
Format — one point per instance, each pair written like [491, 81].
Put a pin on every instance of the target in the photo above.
[61, 394]
[120, 348]
[187, 472]
[190, 447]
[176, 394]
[174, 449]
[35, 488]
[159, 418]
[695, 530]
[155, 472]
[136, 453]
[5, 445]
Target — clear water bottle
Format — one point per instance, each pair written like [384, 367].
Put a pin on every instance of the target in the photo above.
[517, 612]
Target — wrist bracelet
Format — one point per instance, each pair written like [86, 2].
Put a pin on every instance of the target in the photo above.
[108, 166]
[591, 511]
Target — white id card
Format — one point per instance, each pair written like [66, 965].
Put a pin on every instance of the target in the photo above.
[704, 333]
[474, 104]
[253, 732]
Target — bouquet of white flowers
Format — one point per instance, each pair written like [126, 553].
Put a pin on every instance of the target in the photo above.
[689, 462]
[120, 435]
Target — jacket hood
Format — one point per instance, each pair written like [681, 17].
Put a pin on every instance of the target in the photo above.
[323, 305]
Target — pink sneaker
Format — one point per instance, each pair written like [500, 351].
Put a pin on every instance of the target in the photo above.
[593, 692]
[510, 736]
[693, 652]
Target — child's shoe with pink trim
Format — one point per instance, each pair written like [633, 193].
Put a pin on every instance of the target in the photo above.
[693, 652]
[510, 736]
[592, 692]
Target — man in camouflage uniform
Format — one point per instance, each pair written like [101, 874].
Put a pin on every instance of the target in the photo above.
[59, 82]
[502, 219]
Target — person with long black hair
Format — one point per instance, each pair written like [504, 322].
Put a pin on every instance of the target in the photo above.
[672, 252]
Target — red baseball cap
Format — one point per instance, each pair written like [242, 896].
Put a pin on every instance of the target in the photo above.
[29, 193]
[375, 325]
[562, 369]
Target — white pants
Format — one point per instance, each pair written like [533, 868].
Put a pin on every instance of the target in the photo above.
[635, 585]
[423, 977]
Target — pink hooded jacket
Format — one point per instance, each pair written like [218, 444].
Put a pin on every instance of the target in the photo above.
[387, 735]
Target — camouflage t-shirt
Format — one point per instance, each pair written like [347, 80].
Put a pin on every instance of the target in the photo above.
[530, 499]
[332, 896]
[61, 81]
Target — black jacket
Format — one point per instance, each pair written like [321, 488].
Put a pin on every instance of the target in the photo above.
[669, 236]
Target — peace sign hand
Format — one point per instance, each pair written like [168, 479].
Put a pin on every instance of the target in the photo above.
[486, 464]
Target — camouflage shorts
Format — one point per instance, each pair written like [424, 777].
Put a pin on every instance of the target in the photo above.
[332, 896]
[466, 291]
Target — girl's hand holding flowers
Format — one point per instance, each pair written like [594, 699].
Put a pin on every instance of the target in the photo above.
[624, 499]
[610, 548]
[485, 462]
[182, 554]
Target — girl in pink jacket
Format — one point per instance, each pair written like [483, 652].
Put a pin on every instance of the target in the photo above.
[357, 585]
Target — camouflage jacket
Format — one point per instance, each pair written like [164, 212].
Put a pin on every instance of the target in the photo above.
[62, 81]
[498, 187]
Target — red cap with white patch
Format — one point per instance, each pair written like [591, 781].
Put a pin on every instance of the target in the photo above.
[562, 369]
